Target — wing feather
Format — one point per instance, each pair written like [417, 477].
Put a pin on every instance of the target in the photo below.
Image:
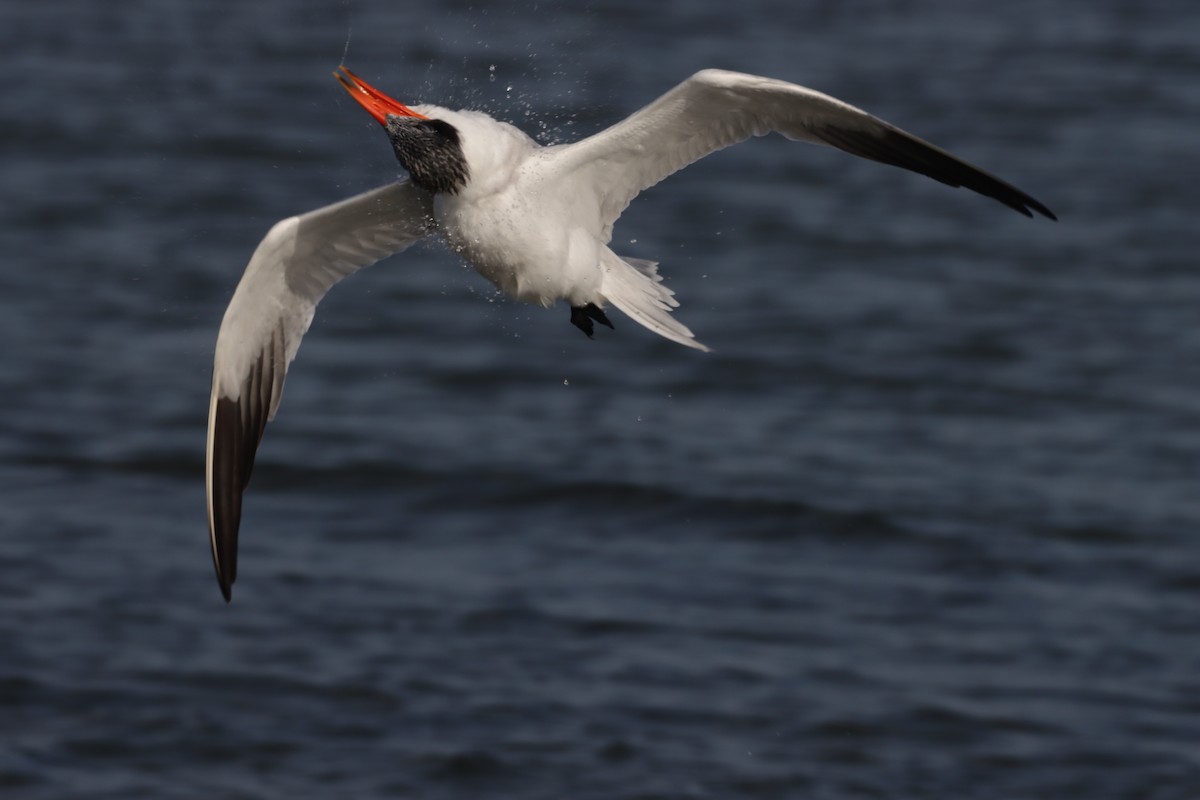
[715, 109]
[291, 270]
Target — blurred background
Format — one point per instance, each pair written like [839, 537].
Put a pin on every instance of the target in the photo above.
[922, 525]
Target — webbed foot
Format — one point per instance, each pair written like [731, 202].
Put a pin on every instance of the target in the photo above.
[582, 316]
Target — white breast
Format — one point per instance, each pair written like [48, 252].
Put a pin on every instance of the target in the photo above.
[523, 239]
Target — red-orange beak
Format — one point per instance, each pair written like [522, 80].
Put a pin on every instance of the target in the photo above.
[377, 104]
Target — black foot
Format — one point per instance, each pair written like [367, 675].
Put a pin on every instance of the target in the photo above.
[582, 316]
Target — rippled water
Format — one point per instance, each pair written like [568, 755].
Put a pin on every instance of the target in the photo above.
[923, 525]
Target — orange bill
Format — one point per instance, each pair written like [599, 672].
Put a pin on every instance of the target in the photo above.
[377, 104]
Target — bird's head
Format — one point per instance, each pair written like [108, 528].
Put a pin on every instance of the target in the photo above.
[430, 149]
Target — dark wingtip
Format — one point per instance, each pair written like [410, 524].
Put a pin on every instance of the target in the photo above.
[230, 472]
[238, 428]
[226, 575]
[890, 145]
[235, 431]
[1028, 205]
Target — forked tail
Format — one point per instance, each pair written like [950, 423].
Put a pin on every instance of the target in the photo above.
[634, 286]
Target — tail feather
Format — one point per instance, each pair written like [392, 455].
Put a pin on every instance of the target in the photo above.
[634, 286]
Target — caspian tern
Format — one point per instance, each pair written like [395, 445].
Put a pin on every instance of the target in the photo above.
[534, 220]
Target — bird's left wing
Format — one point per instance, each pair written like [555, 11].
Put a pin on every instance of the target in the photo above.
[292, 269]
[714, 109]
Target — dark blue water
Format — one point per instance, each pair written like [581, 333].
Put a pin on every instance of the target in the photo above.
[925, 524]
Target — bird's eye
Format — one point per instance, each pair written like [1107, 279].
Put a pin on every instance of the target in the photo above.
[440, 128]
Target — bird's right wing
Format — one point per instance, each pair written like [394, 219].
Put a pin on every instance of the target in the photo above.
[714, 109]
[292, 269]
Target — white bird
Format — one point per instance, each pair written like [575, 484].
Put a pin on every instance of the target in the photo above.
[534, 220]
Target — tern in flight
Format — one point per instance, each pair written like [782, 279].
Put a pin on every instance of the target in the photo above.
[534, 220]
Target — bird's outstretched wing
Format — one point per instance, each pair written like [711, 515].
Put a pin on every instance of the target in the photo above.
[292, 269]
[714, 109]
